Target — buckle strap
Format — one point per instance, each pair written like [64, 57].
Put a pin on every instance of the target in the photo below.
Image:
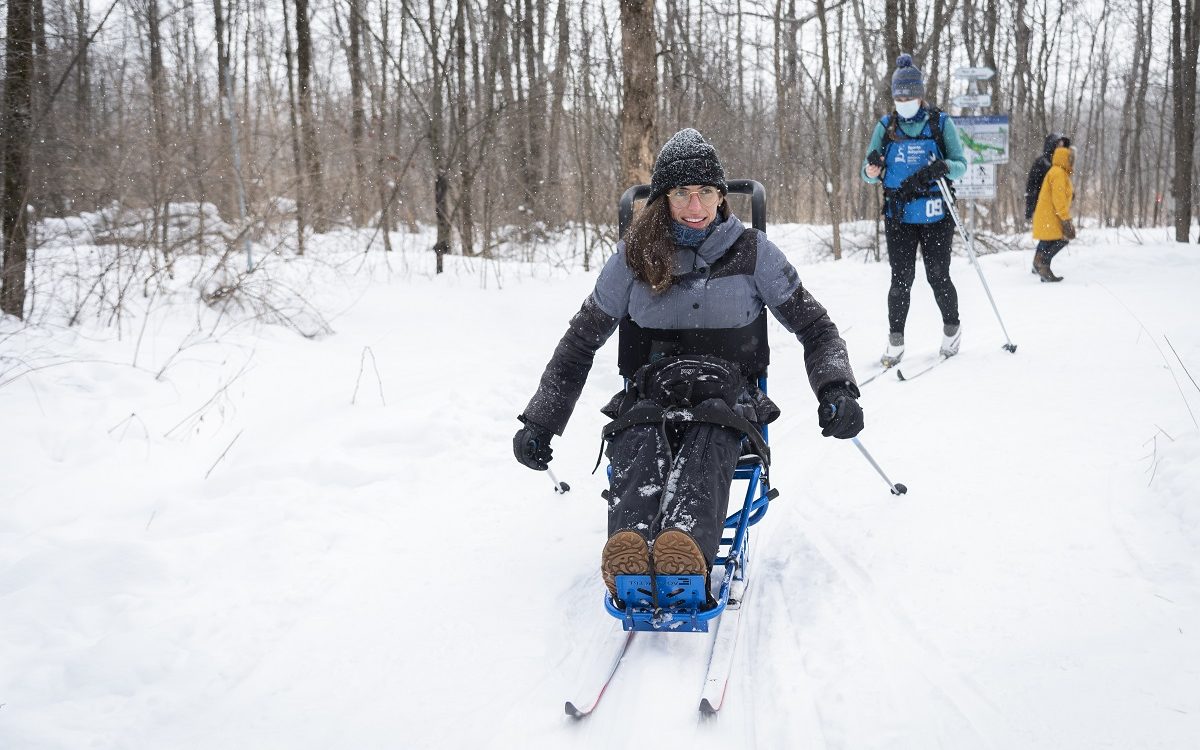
[654, 414]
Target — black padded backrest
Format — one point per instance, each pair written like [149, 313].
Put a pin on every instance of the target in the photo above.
[752, 188]
[635, 343]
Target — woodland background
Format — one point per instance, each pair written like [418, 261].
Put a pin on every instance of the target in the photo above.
[496, 119]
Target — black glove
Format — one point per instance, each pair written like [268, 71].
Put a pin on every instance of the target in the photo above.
[1068, 230]
[936, 170]
[839, 414]
[531, 446]
[875, 159]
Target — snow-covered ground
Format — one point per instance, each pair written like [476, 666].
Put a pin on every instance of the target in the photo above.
[293, 543]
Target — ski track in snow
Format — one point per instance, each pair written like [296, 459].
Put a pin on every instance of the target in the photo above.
[235, 556]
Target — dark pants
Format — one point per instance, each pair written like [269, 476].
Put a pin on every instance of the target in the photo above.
[935, 240]
[1047, 249]
[678, 477]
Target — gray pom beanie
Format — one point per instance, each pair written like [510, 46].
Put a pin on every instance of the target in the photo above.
[686, 159]
[907, 81]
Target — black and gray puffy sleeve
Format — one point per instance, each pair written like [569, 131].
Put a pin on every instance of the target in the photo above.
[563, 379]
[567, 371]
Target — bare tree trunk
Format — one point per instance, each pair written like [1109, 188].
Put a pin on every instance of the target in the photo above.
[1139, 184]
[833, 124]
[437, 149]
[158, 118]
[465, 208]
[933, 67]
[908, 30]
[312, 151]
[297, 155]
[15, 119]
[534, 106]
[639, 90]
[357, 115]
[83, 81]
[558, 86]
[1185, 42]
[223, 76]
[379, 102]
[48, 197]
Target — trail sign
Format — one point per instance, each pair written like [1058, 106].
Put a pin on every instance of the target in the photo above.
[972, 100]
[984, 139]
[977, 74]
[978, 182]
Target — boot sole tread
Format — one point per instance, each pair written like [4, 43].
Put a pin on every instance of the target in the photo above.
[625, 554]
[677, 554]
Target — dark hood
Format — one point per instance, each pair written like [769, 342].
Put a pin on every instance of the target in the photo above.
[1050, 144]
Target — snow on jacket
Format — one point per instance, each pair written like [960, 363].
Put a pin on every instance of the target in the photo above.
[1054, 202]
[697, 299]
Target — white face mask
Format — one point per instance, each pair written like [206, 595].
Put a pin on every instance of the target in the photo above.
[908, 110]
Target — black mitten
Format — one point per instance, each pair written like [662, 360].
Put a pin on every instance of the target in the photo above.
[936, 170]
[531, 446]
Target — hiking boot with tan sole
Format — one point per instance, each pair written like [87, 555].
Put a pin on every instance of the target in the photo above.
[677, 554]
[625, 554]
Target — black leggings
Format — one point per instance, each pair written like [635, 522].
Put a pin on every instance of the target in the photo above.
[935, 240]
[1050, 248]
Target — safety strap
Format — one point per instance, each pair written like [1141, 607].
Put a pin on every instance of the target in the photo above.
[653, 414]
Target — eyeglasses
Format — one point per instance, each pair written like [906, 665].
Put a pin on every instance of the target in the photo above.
[680, 197]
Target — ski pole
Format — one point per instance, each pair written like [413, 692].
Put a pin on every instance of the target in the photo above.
[559, 487]
[1010, 346]
[897, 488]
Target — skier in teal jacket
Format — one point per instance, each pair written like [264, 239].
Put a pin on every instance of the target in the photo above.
[911, 149]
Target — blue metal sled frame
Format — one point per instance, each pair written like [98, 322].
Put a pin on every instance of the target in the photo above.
[681, 599]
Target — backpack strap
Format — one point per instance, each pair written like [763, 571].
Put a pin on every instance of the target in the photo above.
[889, 127]
[935, 128]
[893, 133]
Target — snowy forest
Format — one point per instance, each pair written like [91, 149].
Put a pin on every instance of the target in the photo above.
[281, 278]
[487, 117]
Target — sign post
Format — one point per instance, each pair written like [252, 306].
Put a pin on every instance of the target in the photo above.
[985, 144]
[974, 74]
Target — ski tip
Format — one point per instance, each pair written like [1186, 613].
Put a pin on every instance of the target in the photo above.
[899, 374]
[707, 708]
[573, 712]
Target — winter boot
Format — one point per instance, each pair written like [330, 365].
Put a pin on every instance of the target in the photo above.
[677, 554]
[1041, 266]
[895, 350]
[951, 338]
[625, 554]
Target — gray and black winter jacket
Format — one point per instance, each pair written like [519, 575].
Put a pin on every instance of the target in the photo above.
[731, 296]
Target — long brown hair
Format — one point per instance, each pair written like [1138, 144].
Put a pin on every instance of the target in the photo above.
[650, 243]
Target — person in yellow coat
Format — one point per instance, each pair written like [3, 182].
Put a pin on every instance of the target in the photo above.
[1052, 224]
